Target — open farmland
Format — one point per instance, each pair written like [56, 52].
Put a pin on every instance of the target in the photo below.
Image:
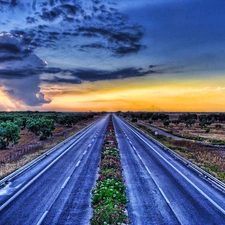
[198, 140]
[30, 144]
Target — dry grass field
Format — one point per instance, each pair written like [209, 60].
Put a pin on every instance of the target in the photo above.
[197, 145]
[194, 131]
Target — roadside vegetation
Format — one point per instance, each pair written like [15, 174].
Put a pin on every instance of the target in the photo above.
[26, 135]
[108, 196]
[199, 138]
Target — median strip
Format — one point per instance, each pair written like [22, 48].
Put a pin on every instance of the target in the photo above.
[109, 197]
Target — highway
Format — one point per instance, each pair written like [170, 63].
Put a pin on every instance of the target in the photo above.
[161, 189]
[57, 188]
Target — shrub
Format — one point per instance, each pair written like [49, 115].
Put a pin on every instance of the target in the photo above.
[108, 197]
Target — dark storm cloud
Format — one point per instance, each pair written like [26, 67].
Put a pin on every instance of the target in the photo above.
[122, 41]
[96, 75]
[20, 70]
[25, 90]
[56, 80]
[17, 59]
[77, 76]
[65, 20]
[59, 11]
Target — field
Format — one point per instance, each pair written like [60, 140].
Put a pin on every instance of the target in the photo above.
[30, 146]
[209, 134]
[202, 142]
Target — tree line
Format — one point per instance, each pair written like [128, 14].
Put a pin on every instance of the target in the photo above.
[188, 118]
[41, 124]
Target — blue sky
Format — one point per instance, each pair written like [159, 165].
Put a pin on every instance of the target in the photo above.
[68, 47]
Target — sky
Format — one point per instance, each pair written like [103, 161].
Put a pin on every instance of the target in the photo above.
[110, 55]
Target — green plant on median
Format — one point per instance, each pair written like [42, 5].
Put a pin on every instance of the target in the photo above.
[109, 197]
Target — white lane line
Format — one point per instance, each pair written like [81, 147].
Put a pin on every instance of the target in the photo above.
[139, 157]
[89, 145]
[188, 180]
[66, 181]
[161, 191]
[85, 152]
[92, 139]
[148, 170]
[143, 163]
[78, 163]
[39, 174]
[42, 218]
[163, 194]
[19, 185]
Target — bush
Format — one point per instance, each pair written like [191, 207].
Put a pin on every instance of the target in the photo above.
[207, 130]
[109, 197]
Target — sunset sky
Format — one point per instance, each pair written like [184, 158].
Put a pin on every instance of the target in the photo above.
[95, 55]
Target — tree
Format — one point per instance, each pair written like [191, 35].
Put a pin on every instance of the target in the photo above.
[207, 130]
[134, 120]
[150, 121]
[190, 122]
[218, 126]
[166, 123]
[9, 132]
[33, 125]
[41, 126]
[176, 121]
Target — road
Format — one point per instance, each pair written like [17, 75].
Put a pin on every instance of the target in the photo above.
[160, 188]
[56, 190]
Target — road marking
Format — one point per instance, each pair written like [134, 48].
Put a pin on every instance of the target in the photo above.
[66, 181]
[78, 163]
[85, 152]
[42, 218]
[92, 139]
[89, 145]
[19, 185]
[139, 157]
[188, 180]
[41, 172]
[134, 148]
[163, 194]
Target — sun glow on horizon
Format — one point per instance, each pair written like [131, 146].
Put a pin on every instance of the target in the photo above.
[179, 97]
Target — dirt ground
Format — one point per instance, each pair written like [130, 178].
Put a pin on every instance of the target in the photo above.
[30, 147]
[194, 131]
[208, 157]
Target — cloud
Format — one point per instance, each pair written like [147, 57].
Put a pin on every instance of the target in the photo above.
[20, 71]
[52, 23]
[17, 59]
[24, 90]
[77, 76]
[56, 79]
[121, 40]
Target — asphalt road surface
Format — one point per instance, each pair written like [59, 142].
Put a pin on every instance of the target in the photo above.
[160, 188]
[57, 189]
